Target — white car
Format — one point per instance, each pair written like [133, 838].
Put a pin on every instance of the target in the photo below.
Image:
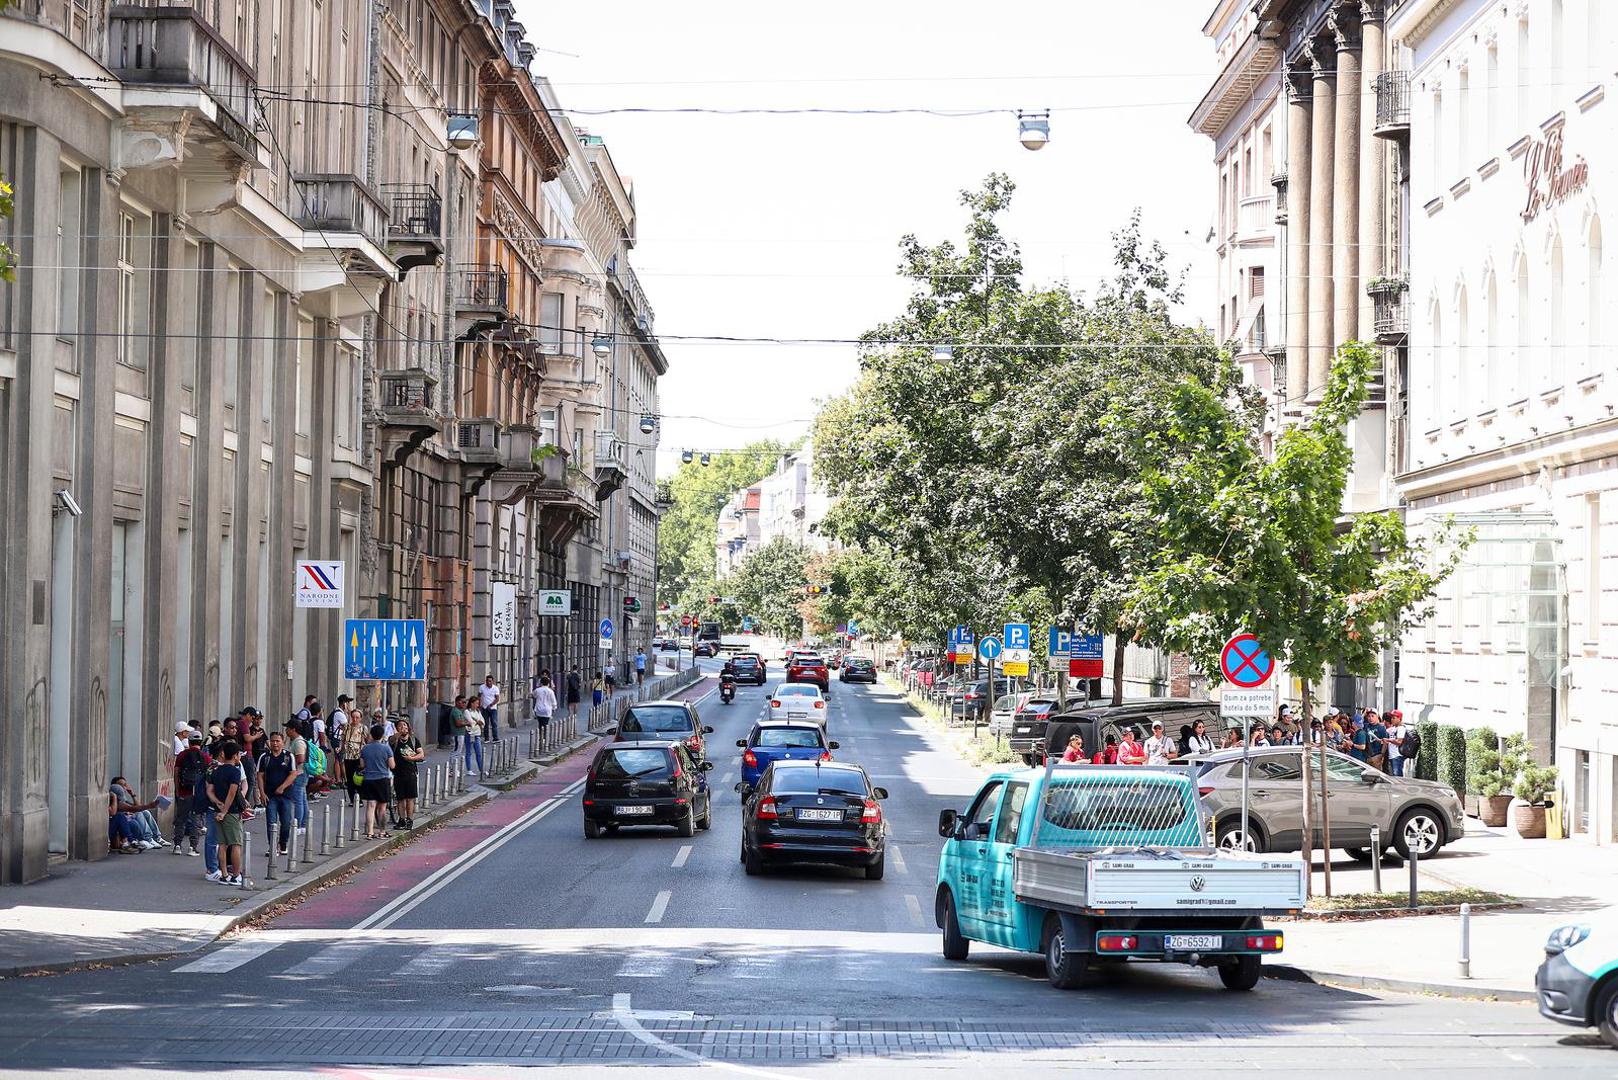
[798, 701]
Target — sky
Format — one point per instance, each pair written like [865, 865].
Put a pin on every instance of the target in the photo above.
[788, 226]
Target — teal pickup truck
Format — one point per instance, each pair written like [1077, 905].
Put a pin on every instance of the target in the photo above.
[1095, 864]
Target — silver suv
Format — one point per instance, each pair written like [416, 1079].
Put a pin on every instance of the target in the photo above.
[1413, 815]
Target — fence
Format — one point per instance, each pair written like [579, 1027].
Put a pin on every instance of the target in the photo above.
[605, 717]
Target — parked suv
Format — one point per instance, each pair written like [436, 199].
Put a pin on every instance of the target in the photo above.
[1032, 737]
[1413, 815]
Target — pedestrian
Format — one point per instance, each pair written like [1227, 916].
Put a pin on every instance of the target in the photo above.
[489, 704]
[182, 737]
[469, 723]
[575, 687]
[640, 667]
[1259, 737]
[1130, 750]
[598, 689]
[227, 785]
[407, 757]
[1393, 742]
[277, 768]
[1233, 740]
[1359, 740]
[147, 834]
[1075, 750]
[190, 770]
[1108, 754]
[1159, 748]
[1278, 736]
[1376, 736]
[376, 762]
[544, 703]
[611, 679]
[379, 715]
[123, 836]
[1197, 742]
[353, 743]
[1317, 732]
[298, 743]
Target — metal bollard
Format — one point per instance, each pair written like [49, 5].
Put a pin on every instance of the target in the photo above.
[354, 825]
[1376, 858]
[424, 787]
[1414, 859]
[301, 843]
[1466, 941]
[292, 848]
[247, 853]
[342, 816]
[269, 859]
[325, 829]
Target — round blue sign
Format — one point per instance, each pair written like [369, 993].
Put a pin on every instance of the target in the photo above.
[989, 648]
[606, 628]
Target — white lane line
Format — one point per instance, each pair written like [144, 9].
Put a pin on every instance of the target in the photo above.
[630, 1022]
[230, 957]
[431, 962]
[681, 856]
[430, 885]
[659, 906]
[915, 909]
[333, 959]
[646, 965]
[898, 859]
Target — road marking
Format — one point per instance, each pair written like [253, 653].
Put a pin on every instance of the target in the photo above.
[898, 859]
[915, 909]
[681, 856]
[629, 1020]
[229, 958]
[646, 965]
[659, 906]
[430, 962]
[331, 960]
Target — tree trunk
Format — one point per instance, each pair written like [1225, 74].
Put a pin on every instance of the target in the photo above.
[1119, 644]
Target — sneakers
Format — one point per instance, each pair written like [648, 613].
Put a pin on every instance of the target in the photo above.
[213, 875]
[193, 852]
[235, 882]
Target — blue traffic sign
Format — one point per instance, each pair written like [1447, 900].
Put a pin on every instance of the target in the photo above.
[1058, 642]
[1087, 647]
[606, 629]
[391, 650]
[1016, 635]
[961, 635]
[989, 647]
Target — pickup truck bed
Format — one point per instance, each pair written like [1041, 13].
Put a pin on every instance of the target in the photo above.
[1157, 882]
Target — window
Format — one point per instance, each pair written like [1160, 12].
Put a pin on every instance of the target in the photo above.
[346, 397]
[1436, 378]
[1592, 568]
[982, 812]
[789, 738]
[1491, 347]
[809, 781]
[1276, 769]
[69, 232]
[1255, 283]
[632, 764]
[1345, 769]
[549, 425]
[550, 321]
[1011, 808]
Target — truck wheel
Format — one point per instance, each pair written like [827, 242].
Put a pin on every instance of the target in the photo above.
[1241, 973]
[1066, 969]
[956, 945]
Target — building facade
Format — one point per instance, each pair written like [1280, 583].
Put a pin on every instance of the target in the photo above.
[254, 328]
[1512, 430]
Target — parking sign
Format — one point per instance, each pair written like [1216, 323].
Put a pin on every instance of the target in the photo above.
[1017, 650]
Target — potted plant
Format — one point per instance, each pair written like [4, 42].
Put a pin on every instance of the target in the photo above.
[1494, 786]
[1534, 784]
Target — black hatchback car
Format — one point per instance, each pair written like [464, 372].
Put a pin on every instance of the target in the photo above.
[649, 783]
[814, 812]
[857, 669]
[748, 668]
[665, 721]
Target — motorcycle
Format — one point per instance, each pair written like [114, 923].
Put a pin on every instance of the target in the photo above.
[727, 689]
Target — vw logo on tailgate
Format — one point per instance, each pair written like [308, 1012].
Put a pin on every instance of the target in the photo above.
[1198, 883]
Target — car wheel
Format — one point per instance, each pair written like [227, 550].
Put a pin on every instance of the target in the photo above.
[1418, 831]
[1229, 837]
[752, 862]
[1067, 970]
[873, 872]
[1240, 974]
[707, 814]
[688, 824]
[1358, 854]
[956, 944]
[1606, 1013]
[592, 831]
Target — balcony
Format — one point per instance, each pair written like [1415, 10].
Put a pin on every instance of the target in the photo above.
[478, 441]
[611, 464]
[183, 84]
[415, 225]
[338, 203]
[1255, 218]
[1393, 105]
[480, 300]
[1279, 183]
[407, 412]
[1390, 310]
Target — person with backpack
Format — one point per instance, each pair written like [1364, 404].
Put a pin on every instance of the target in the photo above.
[407, 758]
[1409, 743]
[298, 743]
[314, 770]
[353, 743]
[276, 770]
[190, 772]
[226, 797]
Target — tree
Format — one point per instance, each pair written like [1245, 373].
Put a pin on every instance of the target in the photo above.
[769, 586]
[689, 529]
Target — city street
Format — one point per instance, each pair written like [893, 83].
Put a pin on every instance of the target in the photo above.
[536, 946]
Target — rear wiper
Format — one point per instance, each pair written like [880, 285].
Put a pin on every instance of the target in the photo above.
[838, 791]
[645, 772]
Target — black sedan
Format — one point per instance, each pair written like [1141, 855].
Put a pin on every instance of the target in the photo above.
[649, 783]
[814, 812]
[857, 669]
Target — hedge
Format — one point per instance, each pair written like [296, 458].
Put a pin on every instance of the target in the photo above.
[1486, 738]
[1427, 761]
[1452, 757]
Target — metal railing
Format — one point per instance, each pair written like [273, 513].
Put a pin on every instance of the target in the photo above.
[482, 289]
[408, 392]
[1390, 311]
[338, 202]
[415, 211]
[1392, 102]
[175, 46]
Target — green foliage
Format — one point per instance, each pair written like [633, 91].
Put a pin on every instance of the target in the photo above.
[1482, 755]
[769, 586]
[689, 528]
[1535, 783]
[8, 258]
[1427, 762]
[1452, 756]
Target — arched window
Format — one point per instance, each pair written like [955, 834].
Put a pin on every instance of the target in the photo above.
[1436, 376]
[1555, 367]
[1461, 358]
[1594, 293]
[1525, 330]
[1490, 353]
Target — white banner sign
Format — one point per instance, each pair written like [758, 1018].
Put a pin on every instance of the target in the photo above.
[319, 585]
[555, 602]
[503, 617]
[1259, 704]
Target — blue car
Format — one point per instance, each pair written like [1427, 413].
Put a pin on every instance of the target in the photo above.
[781, 740]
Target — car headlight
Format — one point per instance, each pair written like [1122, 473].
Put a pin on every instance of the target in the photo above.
[1565, 937]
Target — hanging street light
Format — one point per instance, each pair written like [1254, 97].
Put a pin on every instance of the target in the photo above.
[943, 354]
[648, 423]
[707, 459]
[1034, 129]
[601, 345]
[686, 456]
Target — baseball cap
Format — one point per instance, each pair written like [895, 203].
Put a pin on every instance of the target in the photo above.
[248, 710]
[1157, 723]
[1333, 711]
[196, 737]
[181, 727]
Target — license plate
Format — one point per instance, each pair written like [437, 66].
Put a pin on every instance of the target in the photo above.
[1025, 731]
[820, 815]
[1193, 941]
[628, 810]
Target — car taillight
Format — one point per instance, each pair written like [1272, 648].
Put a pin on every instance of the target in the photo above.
[872, 812]
[820, 704]
[766, 808]
[1265, 942]
[676, 768]
[775, 704]
[1117, 943]
[750, 759]
[825, 755]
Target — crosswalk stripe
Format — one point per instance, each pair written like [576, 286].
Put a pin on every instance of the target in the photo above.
[332, 959]
[430, 961]
[230, 957]
[763, 966]
[651, 965]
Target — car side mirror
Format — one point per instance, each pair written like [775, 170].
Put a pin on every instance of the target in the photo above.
[744, 789]
[706, 766]
[879, 792]
[1372, 778]
[707, 731]
[741, 744]
[946, 823]
[833, 745]
[610, 731]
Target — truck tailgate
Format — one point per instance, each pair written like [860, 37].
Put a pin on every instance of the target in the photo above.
[1157, 882]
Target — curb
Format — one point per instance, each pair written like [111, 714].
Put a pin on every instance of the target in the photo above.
[1289, 973]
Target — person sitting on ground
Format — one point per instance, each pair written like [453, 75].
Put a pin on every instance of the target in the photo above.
[146, 830]
[1075, 750]
[123, 837]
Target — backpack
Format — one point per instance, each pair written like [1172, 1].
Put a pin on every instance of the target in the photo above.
[315, 763]
[199, 791]
[1411, 747]
[191, 771]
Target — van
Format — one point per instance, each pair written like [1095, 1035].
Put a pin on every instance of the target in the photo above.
[1032, 738]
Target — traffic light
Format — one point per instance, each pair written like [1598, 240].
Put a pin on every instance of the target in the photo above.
[813, 590]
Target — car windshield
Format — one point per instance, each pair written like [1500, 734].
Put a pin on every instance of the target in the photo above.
[797, 690]
[786, 738]
[815, 781]
[655, 718]
[745, 661]
[631, 764]
[857, 661]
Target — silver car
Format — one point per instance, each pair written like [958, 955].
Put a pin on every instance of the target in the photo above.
[1413, 815]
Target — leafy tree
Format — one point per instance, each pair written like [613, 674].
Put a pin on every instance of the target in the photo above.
[689, 529]
[769, 586]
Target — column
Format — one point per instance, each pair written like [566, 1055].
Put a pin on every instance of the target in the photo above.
[1345, 24]
[1300, 112]
[1322, 158]
[1373, 158]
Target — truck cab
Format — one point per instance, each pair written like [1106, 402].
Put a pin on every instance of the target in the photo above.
[1095, 864]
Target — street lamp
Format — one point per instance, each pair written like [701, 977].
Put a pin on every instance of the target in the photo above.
[648, 423]
[686, 456]
[1034, 129]
[707, 459]
[462, 130]
[601, 345]
[943, 354]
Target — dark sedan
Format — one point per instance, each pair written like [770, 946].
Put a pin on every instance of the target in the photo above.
[652, 783]
[857, 669]
[814, 812]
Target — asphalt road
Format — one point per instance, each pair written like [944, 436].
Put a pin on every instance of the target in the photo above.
[539, 947]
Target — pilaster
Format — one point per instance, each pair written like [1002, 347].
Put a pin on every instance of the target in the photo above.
[1300, 124]
[1322, 159]
[1345, 23]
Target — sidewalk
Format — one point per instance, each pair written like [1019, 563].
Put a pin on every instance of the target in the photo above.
[1558, 882]
[123, 909]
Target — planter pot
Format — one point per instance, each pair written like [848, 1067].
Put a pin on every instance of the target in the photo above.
[1470, 802]
[1528, 821]
[1492, 809]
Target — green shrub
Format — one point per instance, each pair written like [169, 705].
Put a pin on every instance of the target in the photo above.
[1480, 743]
[1452, 756]
[1427, 762]
[1486, 771]
[1534, 783]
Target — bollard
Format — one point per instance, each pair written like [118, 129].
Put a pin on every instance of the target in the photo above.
[269, 861]
[354, 825]
[1466, 941]
[424, 787]
[300, 839]
[247, 853]
[1376, 858]
[325, 829]
[1413, 860]
[292, 848]
[342, 815]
